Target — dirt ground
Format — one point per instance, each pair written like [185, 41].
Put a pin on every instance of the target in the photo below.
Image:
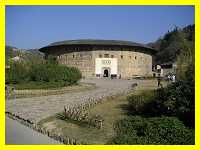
[41, 107]
[112, 110]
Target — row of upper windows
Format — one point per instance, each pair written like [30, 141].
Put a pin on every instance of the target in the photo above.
[112, 56]
[97, 48]
[72, 56]
[59, 56]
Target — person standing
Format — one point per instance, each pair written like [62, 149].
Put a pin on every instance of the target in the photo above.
[173, 78]
[159, 81]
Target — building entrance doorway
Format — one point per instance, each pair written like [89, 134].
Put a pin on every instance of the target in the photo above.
[106, 73]
[106, 67]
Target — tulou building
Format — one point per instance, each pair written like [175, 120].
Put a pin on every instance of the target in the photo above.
[103, 58]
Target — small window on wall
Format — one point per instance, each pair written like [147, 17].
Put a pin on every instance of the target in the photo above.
[135, 57]
[112, 56]
[100, 56]
[121, 56]
[98, 75]
[73, 56]
[106, 55]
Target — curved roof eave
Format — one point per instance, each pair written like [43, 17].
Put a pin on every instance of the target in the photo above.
[97, 43]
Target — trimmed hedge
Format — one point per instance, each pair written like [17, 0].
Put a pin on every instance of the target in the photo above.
[157, 130]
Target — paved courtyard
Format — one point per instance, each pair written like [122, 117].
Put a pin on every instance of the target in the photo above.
[37, 108]
[17, 133]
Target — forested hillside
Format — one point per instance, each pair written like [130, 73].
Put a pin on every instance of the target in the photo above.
[173, 43]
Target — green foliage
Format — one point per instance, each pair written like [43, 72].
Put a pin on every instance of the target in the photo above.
[55, 73]
[17, 73]
[184, 60]
[175, 100]
[171, 46]
[148, 104]
[51, 60]
[157, 130]
[33, 57]
[137, 102]
[46, 72]
[182, 93]
[173, 43]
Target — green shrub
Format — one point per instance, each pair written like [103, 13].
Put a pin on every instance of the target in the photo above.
[49, 71]
[175, 100]
[52, 60]
[54, 73]
[179, 98]
[137, 102]
[17, 73]
[148, 103]
[158, 130]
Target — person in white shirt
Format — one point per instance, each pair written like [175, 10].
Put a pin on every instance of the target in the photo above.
[173, 78]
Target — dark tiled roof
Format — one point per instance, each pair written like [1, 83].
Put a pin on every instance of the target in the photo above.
[96, 42]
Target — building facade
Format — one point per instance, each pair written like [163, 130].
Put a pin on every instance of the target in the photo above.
[164, 69]
[103, 58]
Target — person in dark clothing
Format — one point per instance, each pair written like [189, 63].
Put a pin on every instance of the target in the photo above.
[159, 81]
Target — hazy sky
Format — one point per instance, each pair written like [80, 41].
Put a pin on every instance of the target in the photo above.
[37, 26]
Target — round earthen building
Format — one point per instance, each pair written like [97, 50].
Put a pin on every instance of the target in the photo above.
[103, 58]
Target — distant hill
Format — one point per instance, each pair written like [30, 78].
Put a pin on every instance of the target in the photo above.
[172, 43]
[169, 47]
[11, 52]
[27, 55]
